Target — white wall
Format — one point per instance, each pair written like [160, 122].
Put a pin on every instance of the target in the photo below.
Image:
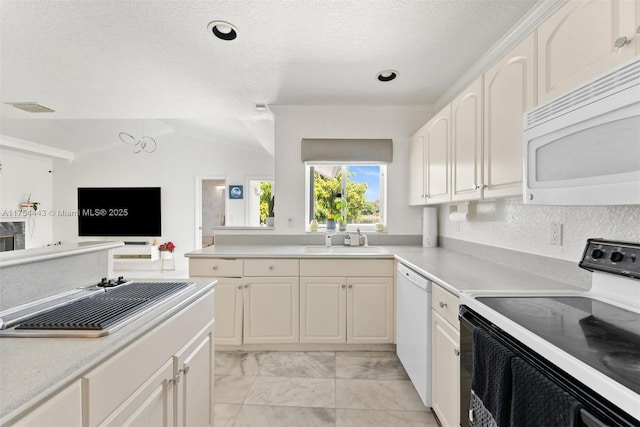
[173, 167]
[513, 225]
[292, 123]
[22, 174]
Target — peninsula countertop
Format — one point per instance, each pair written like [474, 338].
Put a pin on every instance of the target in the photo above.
[32, 369]
[25, 256]
[452, 270]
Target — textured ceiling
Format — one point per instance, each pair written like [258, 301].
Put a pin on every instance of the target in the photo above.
[156, 59]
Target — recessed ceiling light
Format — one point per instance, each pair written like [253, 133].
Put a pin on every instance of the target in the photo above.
[31, 107]
[223, 30]
[261, 107]
[387, 75]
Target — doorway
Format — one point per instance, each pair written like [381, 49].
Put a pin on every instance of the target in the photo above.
[211, 208]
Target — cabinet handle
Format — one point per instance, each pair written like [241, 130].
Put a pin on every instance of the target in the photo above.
[456, 351]
[271, 267]
[185, 370]
[343, 286]
[350, 286]
[621, 41]
[215, 267]
[442, 304]
[239, 286]
[477, 187]
[175, 380]
[246, 286]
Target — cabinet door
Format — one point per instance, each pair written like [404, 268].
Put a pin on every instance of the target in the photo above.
[466, 144]
[62, 410]
[370, 315]
[578, 43]
[271, 310]
[151, 405]
[228, 311]
[323, 310]
[417, 176]
[445, 371]
[195, 365]
[509, 88]
[438, 139]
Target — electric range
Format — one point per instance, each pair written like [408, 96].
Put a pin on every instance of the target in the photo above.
[592, 336]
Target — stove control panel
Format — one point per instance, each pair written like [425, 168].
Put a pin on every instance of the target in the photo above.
[622, 258]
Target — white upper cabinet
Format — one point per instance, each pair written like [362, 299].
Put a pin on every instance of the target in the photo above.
[438, 138]
[509, 91]
[583, 39]
[466, 144]
[417, 175]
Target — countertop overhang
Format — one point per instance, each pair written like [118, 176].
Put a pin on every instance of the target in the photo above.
[452, 270]
[25, 256]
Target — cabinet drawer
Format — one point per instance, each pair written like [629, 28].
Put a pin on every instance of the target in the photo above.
[446, 304]
[215, 267]
[271, 267]
[346, 267]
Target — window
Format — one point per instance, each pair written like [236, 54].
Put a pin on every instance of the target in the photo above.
[346, 196]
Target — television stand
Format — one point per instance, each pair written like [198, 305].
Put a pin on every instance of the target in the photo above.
[136, 252]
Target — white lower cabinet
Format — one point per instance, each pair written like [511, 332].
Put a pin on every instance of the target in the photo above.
[163, 379]
[194, 394]
[229, 311]
[150, 405]
[62, 410]
[291, 300]
[340, 309]
[445, 364]
[323, 310]
[446, 371]
[271, 310]
[370, 315]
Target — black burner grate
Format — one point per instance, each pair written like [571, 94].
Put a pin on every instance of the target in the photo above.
[100, 311]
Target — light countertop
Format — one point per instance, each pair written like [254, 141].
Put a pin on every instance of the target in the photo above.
[454, 271]
[25, 256]
[31, 369]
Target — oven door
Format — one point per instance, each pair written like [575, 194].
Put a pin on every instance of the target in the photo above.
[596, 410]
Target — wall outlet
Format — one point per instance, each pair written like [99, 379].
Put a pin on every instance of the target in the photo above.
[556, 234]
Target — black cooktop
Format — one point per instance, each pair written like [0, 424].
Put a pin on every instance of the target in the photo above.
[601, 335]
[102, 310]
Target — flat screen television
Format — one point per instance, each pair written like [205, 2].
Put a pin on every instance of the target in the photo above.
[119, 211]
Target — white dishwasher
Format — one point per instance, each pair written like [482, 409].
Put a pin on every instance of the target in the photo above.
[413, 328]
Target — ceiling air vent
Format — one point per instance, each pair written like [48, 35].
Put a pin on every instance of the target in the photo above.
[31, 107]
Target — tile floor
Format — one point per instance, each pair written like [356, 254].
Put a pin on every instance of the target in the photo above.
[272, 389]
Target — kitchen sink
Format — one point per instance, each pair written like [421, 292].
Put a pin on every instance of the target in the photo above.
[344, 250]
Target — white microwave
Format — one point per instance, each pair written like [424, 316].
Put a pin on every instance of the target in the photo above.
[583, 148]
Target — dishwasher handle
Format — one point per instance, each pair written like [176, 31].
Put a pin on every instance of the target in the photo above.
[414, 278]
